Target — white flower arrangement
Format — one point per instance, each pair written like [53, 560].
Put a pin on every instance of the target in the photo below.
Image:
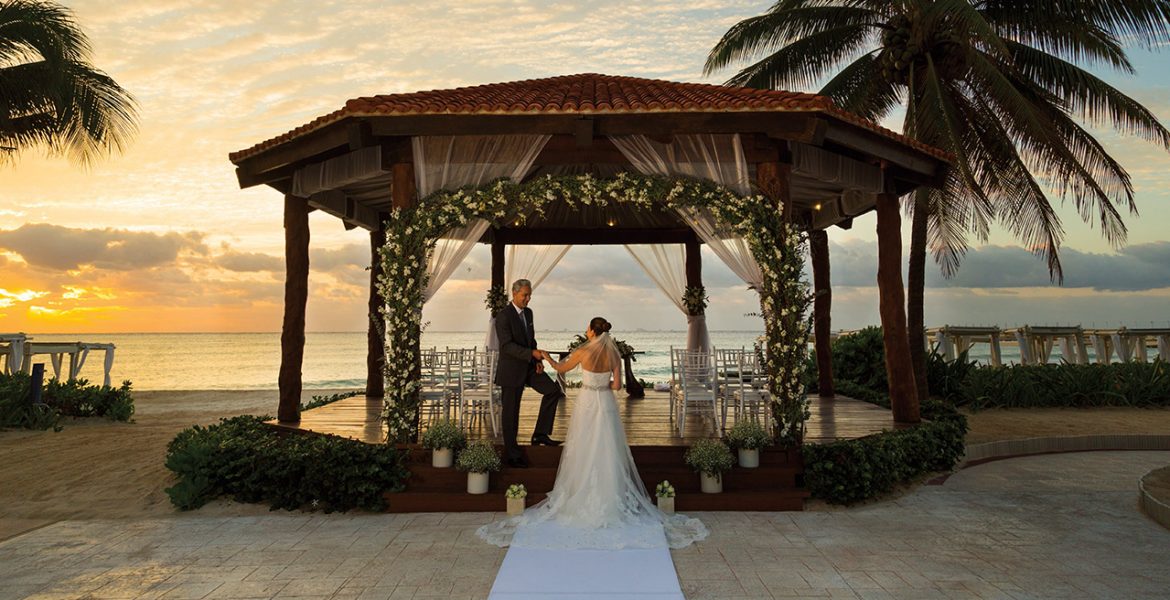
[777, 246]
[516, 490]
[664, 490]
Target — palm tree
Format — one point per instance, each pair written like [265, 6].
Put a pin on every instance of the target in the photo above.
[996, 83]
[50, 95]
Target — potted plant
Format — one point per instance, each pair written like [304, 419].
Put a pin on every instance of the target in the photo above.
[710, 458]
[478, 460]
[748, 436]
[665, 494]
[443, 438]
[516, 494]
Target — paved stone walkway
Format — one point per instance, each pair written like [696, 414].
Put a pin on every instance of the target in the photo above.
[1056, 526]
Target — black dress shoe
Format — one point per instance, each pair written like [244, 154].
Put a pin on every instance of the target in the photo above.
[517, 463]
[544, 440]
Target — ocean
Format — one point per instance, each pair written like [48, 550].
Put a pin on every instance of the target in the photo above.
[250, 361]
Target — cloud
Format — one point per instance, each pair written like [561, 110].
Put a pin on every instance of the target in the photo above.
[54, 247]
[1133, 268]
[249, 261]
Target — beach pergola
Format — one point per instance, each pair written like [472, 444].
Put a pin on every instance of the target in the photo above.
[820, 165]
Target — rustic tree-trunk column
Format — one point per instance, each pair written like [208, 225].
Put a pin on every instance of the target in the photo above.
[376, 334]
[773, 179]
[296, 294]
[694, 263]
[818, 245]
[892, 305]
[402, 195]
[915, 290]
[498, 265]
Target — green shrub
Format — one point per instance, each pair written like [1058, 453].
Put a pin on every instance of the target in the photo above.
[850, 471]
[74, 398]
[1130, 384]
[945, 377]
[243, 458]
[480, 457]
[444, 433]
[748, 434]
[709, 456]
[861, 358]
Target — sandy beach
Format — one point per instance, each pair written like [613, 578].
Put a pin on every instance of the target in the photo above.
[96, 469]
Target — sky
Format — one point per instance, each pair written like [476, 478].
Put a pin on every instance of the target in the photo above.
[161, 238]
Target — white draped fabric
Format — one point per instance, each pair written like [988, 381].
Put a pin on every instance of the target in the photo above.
[529, 261]
[454, 161]
[717, 158]
[666, 265]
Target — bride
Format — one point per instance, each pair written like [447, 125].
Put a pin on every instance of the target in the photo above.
[598, 500]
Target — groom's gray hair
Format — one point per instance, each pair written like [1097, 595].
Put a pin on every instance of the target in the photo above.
[521, 284]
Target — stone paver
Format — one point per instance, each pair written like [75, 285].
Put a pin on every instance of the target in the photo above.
[1056, 526]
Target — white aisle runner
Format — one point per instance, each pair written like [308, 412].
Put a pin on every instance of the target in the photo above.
[531, 572]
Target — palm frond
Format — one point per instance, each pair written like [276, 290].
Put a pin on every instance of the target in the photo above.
[802, 63]
[860, 89]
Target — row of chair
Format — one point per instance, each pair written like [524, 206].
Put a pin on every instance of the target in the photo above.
[707, 384]
[460, 381]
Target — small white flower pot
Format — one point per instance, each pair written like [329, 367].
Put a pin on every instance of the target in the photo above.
[515, 506]
[711, 484]
[442, 458]
[666, 505]
[749, 459]
[477, 483]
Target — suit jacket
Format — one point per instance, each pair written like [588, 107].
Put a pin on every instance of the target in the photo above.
[516, 345]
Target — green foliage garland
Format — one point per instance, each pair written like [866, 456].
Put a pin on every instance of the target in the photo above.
[778, 248]
[496, 300]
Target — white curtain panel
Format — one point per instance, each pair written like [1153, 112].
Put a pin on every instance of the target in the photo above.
[717, 158]
[666, 265]
[532, 262]
[453, 161]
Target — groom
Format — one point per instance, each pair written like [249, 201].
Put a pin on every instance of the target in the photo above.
[520, 366]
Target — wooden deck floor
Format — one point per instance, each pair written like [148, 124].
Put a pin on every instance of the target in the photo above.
[647, 420]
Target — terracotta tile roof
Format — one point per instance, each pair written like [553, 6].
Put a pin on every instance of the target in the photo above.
[587, 93]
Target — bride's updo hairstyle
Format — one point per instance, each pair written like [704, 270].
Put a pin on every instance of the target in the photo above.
[599, 325]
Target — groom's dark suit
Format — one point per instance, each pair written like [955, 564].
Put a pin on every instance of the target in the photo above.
[517, 370]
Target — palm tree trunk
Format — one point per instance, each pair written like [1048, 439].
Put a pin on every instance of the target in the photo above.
[915, 289]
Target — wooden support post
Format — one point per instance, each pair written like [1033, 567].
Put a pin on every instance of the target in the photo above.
[773, 179]
[296, 294]
[818, 244]
[402, 196]
[376, 332]
[892, 306]
[694, 263]
[498, 265]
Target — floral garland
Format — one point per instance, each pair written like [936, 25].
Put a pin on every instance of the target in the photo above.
[778, 248]
[695, 299]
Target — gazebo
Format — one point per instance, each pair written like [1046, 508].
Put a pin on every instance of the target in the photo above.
[819, 165]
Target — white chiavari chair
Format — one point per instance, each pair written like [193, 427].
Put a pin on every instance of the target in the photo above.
[698, 390]
[726, 376]
[748, 392]
[479, 397]
[435, 394]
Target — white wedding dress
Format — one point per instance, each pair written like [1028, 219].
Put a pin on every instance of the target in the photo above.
[598, 500]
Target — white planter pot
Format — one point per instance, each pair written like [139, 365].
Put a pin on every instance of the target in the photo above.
[711, 485]
[477, 483]
[442, 458]
[666, 505]
[515, 506]
[749, 459]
